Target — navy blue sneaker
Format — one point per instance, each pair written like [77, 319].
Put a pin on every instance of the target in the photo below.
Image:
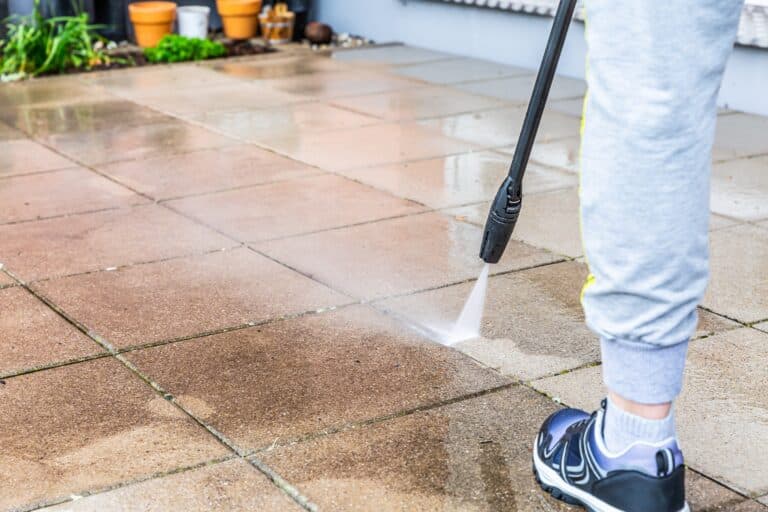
[572, 463]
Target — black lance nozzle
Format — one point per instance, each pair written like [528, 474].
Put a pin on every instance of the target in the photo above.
[509, 199]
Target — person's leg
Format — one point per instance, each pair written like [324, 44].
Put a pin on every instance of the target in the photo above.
[654, 71]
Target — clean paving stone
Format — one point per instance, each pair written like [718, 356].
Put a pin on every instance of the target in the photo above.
[33, 335]
[57, 90]
[5, 279]
[88, 426]
[288, 379]
[533, 323]
[101, 240]
[186, 296]
[61, 192]
[739, 188]
[207, 170]
[233, 485]
[459, 70]
[572, 107]
[390, 55]
[9, 133]
[739, 264]
[519, 89]
[718, 404]
[456, 180]
[501, 126]
[762, 326]
[368, 146]
[739, 135]
[23, 156]
[417, 103]
[337, 84]
[293, 207]
[396, 256]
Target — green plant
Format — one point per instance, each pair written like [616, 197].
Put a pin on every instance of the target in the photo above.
[176, 48]
[36, 45]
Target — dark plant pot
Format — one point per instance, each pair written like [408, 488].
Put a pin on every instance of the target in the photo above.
[113, 14]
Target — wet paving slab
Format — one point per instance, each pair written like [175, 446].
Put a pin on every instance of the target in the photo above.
[6, 280]
[328, 85]
[397, 256]
[739, 135]
[278, 67]
[32, 335]
[451, 71]
[456, 180]
[205, 171]
[518, 89]
[89, 421]
[49, 91]
[394, 55]
[293, 207]
[233, 485]
[186, 296]
[291, 379]
[23, 156]
[96, 241]
[715, 389]
[63, 192]
[8, 132]
[739, 188]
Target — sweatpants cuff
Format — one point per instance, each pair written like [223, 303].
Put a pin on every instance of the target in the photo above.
[644, 374]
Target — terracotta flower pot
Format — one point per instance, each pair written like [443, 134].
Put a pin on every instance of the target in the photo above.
[151, 21]
[239, 17]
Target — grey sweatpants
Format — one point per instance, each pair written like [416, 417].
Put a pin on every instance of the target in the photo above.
[653, 73]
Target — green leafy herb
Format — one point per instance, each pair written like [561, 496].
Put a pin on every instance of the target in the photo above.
[176, 48]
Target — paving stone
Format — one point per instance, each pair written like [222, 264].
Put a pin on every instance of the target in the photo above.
[705, 494]
[417, 103]
[471, 455]
[364, 147]
[762, 326]
[573, 107]
[144, 81]
[533, 323]
[390, 55]
[277, 68]
[456, 180]
[396, 256]
[78, 428]
[739, 188]
[263, 125]
[136, 142]
[293, 207]
[519, 89]
[287, 379]
[563, 153]
[233, 485]
[186, 296]
[501, 126]
[31, 334]
[738, 288]
[336, 84]
[51, 91]
[94, 241]
[60, 193]
[459, 70]
[9, 133]
[764, 500]
[740, 135]
[723, 402]
[5, 279]
[207, 170]
[710, 323]
[24, 156]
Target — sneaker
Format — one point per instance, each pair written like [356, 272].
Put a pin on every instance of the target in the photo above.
[572, 463]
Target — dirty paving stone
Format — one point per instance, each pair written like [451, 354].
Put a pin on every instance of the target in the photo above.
[31, 334]
[293, 207]
[472, 455]
[96, 241]
[455, 70]
[396, 256]
[234, 486]
[533, 323]
[739, 188]
[337, 84]
[739, 135]
[186, 296]
[63, 192]
[291, 378]
[95, 425]
[206, 170]
[735, 408]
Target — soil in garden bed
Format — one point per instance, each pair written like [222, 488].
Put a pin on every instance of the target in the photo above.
[132, 56]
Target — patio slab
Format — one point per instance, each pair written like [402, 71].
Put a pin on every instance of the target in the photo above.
[393, 55]
[739, 188]
[63, 192]
[337, 84]
[456, 180]
[5, 279]
[233, 485]
[397, 256]
[519, 89]
[293, 207]
[289, 379]
[50, 91]
[205, 171]
[451, 71]
[23, 156]
[9, 133]
[739, 135]
[95, 241]
[89, 421]
[32, 335]
[276, 67]
[715, 389]
[186, 296]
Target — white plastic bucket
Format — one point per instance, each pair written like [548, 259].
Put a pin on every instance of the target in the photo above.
[193, 20]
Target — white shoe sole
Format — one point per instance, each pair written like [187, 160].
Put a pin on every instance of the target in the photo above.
[552, 479]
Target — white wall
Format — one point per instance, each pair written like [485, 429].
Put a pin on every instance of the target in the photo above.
[511, 38]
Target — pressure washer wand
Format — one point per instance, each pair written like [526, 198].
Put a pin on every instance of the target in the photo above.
[509, 199]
